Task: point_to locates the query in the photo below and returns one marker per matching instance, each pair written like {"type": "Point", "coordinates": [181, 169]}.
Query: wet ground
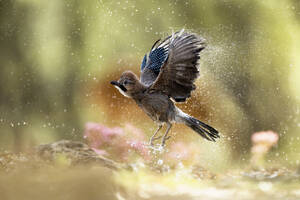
{"type": "Point", "coordinates": [30, 176]}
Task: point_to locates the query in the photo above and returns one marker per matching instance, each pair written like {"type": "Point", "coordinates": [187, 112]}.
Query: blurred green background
{"type": "Point", "coordinates": [57, 58]}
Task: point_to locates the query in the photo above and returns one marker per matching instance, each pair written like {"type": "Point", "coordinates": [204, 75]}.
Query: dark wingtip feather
{"type": "Point", "coordinates": [157, 41]}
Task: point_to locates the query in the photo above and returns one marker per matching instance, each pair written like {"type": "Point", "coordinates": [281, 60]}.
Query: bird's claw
{"type": "Point", "coordinates": [153, 139]}
{"type": "Point", "coordinates": [163, 142]}
{"type": "Point", "coordinates": [156, 138]}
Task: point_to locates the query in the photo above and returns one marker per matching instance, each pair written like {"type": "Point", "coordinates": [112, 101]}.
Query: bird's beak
{"type": "Point", "coordinates": [116, 83]}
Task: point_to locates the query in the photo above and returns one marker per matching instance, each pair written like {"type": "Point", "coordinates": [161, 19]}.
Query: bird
{"type": "Point", "coordinates": [168, 73]}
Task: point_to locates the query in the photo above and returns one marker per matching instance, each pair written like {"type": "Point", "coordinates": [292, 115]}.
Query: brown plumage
{"type": "Point", "coordinates": [168, 72]}
{"type": "Point", "coordinates": [177, 75]}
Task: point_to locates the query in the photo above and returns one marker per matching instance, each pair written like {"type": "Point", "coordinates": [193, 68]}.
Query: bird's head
{"type": "Point", "coordinates": [127, 84]}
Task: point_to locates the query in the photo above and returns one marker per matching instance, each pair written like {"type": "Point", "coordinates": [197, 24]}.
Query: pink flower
{"type": "Point", "coordinates": [98, 134]}
{"type": "Point", "coordinates": [139, 147]}
{"type": "Point", "coordinates": [119, 142]}
{"type": "Point", "coordinates": [269, 138]}
{"type": "Point", "coordinates": [262, 143]}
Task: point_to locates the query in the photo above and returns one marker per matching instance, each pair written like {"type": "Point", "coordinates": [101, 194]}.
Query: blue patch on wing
{"type": "Point", "coordinates": [156, 59]}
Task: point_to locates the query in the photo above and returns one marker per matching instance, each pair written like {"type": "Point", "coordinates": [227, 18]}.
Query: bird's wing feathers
{"type": "Point", "coordinates": [144, 62]}
{"type": "Point", "coordinates": [179, 71]}
{"type": "Point", "coordinates": [152, 63]}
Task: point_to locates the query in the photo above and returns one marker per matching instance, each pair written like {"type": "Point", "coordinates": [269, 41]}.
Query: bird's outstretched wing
{"type": "Point", "coordinates": [179, 71]}
{"type": "Point", "coordinates": [153, 62]}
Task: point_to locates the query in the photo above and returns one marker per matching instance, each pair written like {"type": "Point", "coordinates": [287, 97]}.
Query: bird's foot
{"type": "Point", "coordinates": [153, 139]}
{"type": "Point", "coordinates": [163, 141]}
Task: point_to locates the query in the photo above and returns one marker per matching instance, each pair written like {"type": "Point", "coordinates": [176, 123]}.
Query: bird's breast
{"type": "Point", "coordinates": [157, 106]}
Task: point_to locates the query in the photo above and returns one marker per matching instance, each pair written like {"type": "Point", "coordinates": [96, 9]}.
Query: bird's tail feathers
{"type": "Point", "coordinates": [201, 128]}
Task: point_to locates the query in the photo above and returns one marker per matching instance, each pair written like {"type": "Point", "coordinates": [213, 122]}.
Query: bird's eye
{"type": "Point", "coordinates": [125, 82]}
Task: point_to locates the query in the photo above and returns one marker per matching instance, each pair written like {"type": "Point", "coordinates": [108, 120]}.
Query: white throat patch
{"type": "Point", "coordinates": [122, 92]}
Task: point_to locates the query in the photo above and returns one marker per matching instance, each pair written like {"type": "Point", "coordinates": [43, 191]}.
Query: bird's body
{"type": "Point", "coordinates": [168, 72]}
{"type": "Point", "coordinates": [157, 106]}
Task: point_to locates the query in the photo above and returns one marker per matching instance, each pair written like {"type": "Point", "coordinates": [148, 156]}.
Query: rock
{"type": "Point", "coordinates": [76, 152]}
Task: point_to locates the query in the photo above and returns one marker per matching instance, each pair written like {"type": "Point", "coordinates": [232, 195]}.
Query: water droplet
{"type": "Point", "coordinates": [265, 186]}
{"type": "Point", "coordinates": [160, 162]}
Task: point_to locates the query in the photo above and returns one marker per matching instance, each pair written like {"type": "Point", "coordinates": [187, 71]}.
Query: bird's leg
{"type": "Point", "coordinates": [153, 136]}
{"type": "Point", "coordinates": [163, 141]}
